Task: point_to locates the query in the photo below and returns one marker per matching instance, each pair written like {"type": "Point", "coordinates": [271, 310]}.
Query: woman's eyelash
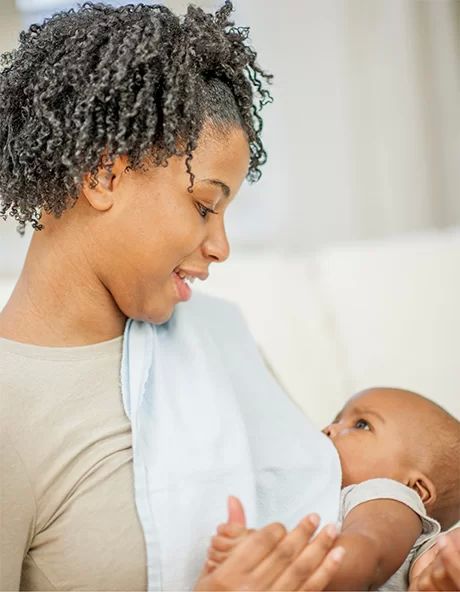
{"type": "Point", "coordinates": [204, 210]}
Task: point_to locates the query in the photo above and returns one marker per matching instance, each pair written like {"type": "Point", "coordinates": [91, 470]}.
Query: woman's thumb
{"type": "Point", "coordinates": [235, 511]}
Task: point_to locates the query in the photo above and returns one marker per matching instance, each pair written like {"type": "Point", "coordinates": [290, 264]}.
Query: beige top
{"type": "Point", "coordinates": [67, 508]}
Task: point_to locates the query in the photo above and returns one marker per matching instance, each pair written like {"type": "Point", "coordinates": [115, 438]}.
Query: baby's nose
{"type": "Point", "coordinates": [329, 430]}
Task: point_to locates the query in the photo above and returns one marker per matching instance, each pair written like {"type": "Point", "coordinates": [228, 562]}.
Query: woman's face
{"type": "Point", "coordinates": [156, 231]}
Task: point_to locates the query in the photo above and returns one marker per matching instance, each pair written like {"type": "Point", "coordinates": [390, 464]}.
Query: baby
{"type": "Point", "coordinates": [400, 458]}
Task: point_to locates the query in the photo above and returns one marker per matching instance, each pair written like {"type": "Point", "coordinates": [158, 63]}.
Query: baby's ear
{"type": "Point", "coordinates": [425, 488]}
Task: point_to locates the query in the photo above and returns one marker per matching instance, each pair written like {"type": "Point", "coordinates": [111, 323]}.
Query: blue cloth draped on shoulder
{"type": "Point", "coordinates": [209, 420]}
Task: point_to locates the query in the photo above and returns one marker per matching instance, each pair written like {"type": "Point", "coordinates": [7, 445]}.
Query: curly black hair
{"type": "Point", "coordinates": [88, 84]}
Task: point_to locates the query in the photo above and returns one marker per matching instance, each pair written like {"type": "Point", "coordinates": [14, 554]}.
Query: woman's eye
{"type": "Point", "coordinates": [203, 210]}
{"type": "Point", "coordinates": [362, 424]}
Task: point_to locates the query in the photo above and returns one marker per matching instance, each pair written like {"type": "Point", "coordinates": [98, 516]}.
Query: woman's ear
{"type": "Point", "coordinates": [101, 197]}
{"type": "Point", "coordinates": [425, 488]}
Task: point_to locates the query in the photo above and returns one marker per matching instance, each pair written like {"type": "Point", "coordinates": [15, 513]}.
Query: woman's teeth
{"type": "Point", "coordinates": [188, 278]}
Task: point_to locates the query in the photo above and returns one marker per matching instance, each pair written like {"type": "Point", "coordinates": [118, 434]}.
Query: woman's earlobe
{"type": "Point", "coordinates": [101, 196]}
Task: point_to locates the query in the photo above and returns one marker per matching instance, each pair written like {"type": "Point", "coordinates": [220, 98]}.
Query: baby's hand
{"type": "Point", "coordinates": [227, 538]}
{"type": "Point", "coordinates": [230, 535]}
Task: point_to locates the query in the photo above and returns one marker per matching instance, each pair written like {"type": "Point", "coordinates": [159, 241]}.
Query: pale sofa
{"type": "Point", "coordinates": [346, 318]}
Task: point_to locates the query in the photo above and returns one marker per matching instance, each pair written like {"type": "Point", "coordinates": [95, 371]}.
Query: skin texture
{"type": "Point", "coordinates": [271, 558]}
{"type": "Point", "coordinates": [114, 253]}
{"type": "Point", "coordinates": [439, 567]}
{"type": "Point", "coordinates": [372, 438]}
{"type": "Point", "coordinates": [403, 436]}
{"type": "Point", "coordinates": [91, 99]}
{"type": "Point", "coordinates": [372, 427]}
{"type": "Point", "coordinates": [384, 543]}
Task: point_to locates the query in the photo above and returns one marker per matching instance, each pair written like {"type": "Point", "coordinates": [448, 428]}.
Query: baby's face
{"type": "Point", "coordinates": [371, 436]}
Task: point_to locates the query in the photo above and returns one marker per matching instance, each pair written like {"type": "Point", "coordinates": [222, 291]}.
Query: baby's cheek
{"type": "Point", "coordinates": [348, 465]}
{"type": "Point", "coordinates": [355, 467]}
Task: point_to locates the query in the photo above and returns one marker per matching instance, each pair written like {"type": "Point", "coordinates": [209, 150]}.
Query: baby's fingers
{"type": "Point", "coordinates": [217, 556]}
{"type": "Point", "coordinates": [223, 544]}
{"type": "Point", "coordinates": [232, 530]}
{"type": "Point", "coordinates": [210, 566]}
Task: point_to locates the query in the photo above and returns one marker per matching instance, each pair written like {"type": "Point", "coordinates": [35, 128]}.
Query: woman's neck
{"type": "Point", "coordinates": [58, 300]}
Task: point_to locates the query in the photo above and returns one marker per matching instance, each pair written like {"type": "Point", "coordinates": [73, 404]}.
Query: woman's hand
{"type": "Point", "coordinates": [273, 559]}
{"type": "Point", "coordinates": [443, 573]}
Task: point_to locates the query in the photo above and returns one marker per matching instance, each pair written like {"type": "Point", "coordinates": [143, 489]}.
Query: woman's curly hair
{"type": "Point", "coordinates": [137, 80]}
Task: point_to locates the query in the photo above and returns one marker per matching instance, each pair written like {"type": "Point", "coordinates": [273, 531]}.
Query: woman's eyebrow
{"type": "Point", "coordinates": [225, 188]}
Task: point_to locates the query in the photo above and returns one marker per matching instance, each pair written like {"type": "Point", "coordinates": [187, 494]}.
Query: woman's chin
{"type": "Point", "coordinates": [156, 316]}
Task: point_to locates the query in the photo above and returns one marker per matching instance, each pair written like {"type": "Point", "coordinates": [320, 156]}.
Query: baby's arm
{"type": "Point", "coordinates": [377, 536]}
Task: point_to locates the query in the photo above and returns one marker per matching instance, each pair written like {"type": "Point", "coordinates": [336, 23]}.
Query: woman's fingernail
{"type": "Point", "coordinates": [337, 553]}
{"type": "Point", "coordinates": [338, 526]}
{"type": "Point", "coordinates": [314, 519]}
{"type": "Point", "coordinates": [331, 531]}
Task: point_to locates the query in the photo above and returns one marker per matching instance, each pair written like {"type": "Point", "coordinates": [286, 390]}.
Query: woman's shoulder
{"type": "Point", "coordinates": [35, 380]}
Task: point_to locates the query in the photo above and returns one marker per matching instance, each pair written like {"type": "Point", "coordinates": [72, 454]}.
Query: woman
{"type": "Point", "coordinates": [126, 133]}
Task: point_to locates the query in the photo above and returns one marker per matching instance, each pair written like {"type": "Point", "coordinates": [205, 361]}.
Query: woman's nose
{"type": "Point", "coordinates": [216, 245]}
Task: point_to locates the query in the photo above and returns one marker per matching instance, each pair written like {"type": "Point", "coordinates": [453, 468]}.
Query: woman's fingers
{"type": "Point", "coordinates": [269, 555]}
{"type": "Point", "coordinates": [444, 572]}
{"type": "Point", "coordinates": [303, 566]}
{"type": "Point", "coordinates": [236, 572]}
{"type": "Point", "coordinates": [252, 550]}
{"type": "Point", "coordinates": [326, 570]}
{"type": "Point", "coordinates": [450, 557]}
{"type": "Point", "coordinates": [286, 551]}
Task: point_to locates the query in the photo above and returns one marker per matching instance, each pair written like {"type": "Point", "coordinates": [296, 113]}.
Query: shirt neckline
{"type": "Point", "coordinates": [78, 352]}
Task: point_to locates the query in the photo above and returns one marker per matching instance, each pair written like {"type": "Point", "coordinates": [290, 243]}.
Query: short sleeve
{"type": "Point", "coordinates": [374, 489]}
{"type": "Point", "coordinates": [428, 543]}
{"type": "Point", "coordinates": [17, 514]}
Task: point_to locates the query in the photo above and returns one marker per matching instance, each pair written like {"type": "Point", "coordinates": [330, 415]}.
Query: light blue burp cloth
{"type": "Point", "coordinates": [208, 421]}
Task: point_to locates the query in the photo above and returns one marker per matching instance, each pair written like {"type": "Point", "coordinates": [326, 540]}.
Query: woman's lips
{"type": "Point", "coordinates": [184, 291]}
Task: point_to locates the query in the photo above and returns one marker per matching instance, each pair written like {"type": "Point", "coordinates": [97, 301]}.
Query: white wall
{"type": "Point", "coordinates": [364, 134]}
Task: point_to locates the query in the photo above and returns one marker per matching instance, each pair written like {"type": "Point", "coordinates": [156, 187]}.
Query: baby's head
{"type": "Point", "coordinates": [386, 432]}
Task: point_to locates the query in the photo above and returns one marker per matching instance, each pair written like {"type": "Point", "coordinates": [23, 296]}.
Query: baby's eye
{"type": "Point", "coordinates": [362, 424]}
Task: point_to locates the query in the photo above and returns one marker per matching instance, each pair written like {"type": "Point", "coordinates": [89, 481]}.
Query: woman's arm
{"type": "Point", "coordinates": [17, 514]}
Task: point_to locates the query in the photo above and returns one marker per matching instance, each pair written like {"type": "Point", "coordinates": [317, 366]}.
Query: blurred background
{"type": "Point", "coordinates": [364, 134]}
{"type": "Point", "coordinates": [346, 254]}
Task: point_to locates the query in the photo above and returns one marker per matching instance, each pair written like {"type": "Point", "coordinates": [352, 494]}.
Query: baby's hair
{"type": "Point", "coordinates": [444, 440]}
{"type": "Point", "coordinates": [435, 448]}
{"type": "Point", "coordinates": [102, 81]}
